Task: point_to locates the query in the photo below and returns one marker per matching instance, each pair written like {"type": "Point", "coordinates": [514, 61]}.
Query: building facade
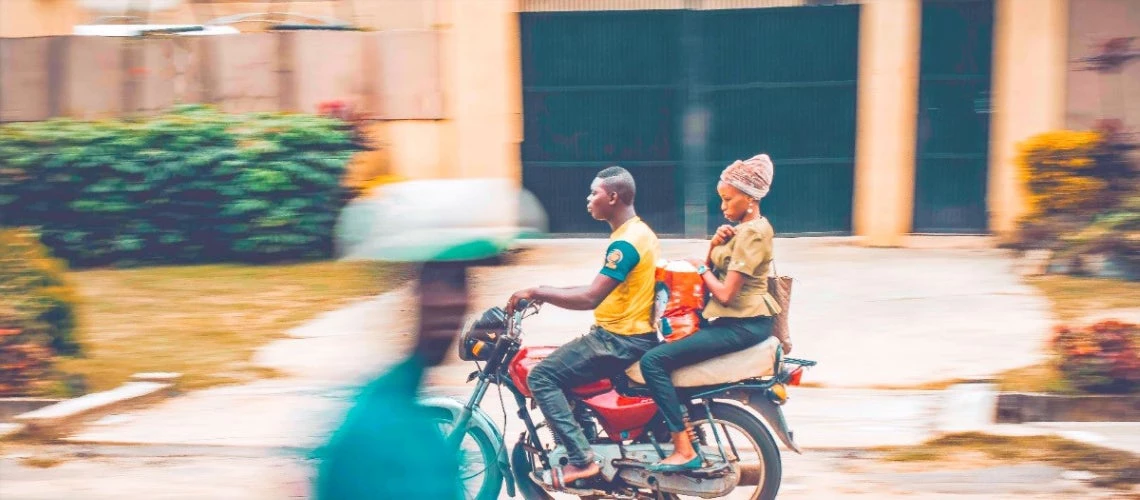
{"type": "Point", "coordinates": [884, 118]}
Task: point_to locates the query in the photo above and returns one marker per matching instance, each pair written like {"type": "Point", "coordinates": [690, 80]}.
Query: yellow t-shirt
{"type": "Point", "coordinates": [750, 253]}
{"type": "Point", "coordinates": [631, 259]}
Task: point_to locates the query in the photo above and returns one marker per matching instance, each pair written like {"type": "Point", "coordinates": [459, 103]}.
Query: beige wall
{"type": "Point", "coordinates": [1092, 95]}
{"type": "Point", "coordinates": [25, 18]}
{"type": "Point", "coordinates": [1030, 49]}
{"type": "Point", "coordinates": [885, 136]}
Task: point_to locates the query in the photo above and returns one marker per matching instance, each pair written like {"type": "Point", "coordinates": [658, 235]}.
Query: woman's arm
{"type": "Point", "coordinates": [724, 292]}
{"type": "Point", "coordinates": [749, 251]}
{"type": "Point", "coordinates": [728, 290]}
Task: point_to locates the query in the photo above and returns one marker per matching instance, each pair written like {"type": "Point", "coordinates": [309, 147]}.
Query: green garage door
{"type": "Point", "coordinates": [953, 116]}
{"type": "Point", "coordinates": [782, 81]}
{"type": "Point", "coordinates": [623, 87]}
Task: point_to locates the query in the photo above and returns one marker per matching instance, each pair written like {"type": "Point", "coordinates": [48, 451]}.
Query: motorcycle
{"type": "Point", "coordinates": [622, 423]}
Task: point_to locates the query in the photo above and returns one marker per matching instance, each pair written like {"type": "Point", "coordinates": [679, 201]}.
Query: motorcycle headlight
{"type": "Point", "coordinates": [480, 336]}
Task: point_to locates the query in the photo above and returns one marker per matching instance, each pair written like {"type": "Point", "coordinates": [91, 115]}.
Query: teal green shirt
{"type": "Point", "coordinates": [388, 447]}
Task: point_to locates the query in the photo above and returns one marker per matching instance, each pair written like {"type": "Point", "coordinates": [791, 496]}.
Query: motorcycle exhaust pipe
{"type": "Point", "coordinates": [749, 474]}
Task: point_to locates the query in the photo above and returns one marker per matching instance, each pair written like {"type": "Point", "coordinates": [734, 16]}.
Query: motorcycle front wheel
{"type": "Point", "coordinates": [479, 473]}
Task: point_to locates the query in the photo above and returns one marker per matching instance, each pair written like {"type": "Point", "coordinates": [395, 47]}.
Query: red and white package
{"type": "Point", "coordinates": [679, 299]}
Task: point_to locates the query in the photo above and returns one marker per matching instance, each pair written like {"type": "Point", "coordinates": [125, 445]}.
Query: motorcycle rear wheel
{"type": "Point", "coordinates": [769, 469]}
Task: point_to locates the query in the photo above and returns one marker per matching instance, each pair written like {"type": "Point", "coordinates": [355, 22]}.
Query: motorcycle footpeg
{"type": "Point", "coordinates": [713, 470]}
{"type": "Point", "coordinates": [629, 463]}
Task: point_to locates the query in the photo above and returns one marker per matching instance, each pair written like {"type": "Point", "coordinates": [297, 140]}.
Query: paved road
{"type": "Point", "coordinates": [235, 473]}
{"type": "Point", "coordinates": [871, 317]}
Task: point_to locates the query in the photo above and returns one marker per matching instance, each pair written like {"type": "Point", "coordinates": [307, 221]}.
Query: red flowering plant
{"type": "Point", "coordinates": [1103, 357]}
{"type": "Point", "coordinates": [24, 360]}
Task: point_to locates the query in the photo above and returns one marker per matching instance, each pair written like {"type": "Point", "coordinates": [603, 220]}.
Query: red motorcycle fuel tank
{"type": "Point", "coordinates": [529, 357]}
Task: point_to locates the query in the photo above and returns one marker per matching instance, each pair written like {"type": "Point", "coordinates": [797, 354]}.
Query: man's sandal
{"type": "Point", "coordinates": [558, 480]}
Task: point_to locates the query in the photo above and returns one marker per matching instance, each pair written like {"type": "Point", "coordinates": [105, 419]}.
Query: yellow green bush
{"type": "Point", "coordinates": [37, 313]}
{"type": "Point", "coordinates": [35, 293]}
{"type": "Point", "coordinates": [1060, 170]}
{"type": "Point", "coordinates": [1082, 194]}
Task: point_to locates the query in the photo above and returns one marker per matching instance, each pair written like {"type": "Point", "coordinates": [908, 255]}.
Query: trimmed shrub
{"type": "Point", "coordinates": [191, 185]}
{"type": "Point", "coordinates": [1103, 357]}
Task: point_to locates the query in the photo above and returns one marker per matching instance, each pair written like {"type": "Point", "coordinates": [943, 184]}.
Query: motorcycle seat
{"type": "Point", "coordinates": [754, 362]}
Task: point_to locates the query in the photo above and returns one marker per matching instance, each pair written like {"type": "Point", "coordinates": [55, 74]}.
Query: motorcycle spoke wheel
{"type": "Point", "coordinates": [479, 474]}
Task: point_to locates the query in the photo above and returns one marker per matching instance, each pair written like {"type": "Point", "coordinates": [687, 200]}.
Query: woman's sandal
{"type": "Point", "coordinates": [693, 464]}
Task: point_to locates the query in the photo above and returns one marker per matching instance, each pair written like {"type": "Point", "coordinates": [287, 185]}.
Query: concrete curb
{"type": "Point", "coordinates": [9, 429]}
{"type": "Point", "coordinates": [1017, 407]}
{"type": "Point", "coordinates": [10, 407]}
{"type": "Point", "coordinates": [54, 421]}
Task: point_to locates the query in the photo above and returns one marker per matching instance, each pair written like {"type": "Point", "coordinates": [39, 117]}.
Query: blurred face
{"type": "Point", "coordinates": [733, 203]}
{"type": "Point", "coordinates": [443, 300]}
{"type": "Point", "coordinates": [600, 202]}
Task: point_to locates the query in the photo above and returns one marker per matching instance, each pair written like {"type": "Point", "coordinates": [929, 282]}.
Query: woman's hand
{"type": "Point", "coordinates": [695, 261]}
{"type": "Point", "coordinates": [723, 234]}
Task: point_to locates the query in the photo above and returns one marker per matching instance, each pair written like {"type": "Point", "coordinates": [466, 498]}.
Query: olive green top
{"type": "Point", "coordinates": [749, 252]}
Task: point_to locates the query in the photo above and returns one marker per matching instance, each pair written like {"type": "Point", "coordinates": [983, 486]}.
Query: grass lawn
{"type": "Point", "coordinates": [1074, 298]}
{"type": "Point", "coordinates": [1113, 468]}
{"type": "Point", "coordinates": [205, 321]}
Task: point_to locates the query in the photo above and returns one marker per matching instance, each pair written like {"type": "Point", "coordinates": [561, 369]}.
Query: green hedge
{"type": "Point", "coordinates": [191, 185]}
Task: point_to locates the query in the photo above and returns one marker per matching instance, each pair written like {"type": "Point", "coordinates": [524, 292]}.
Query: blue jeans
{"type": "Point", "coordinates": [589, 358]}
{"type": "Point", "coordinates": [718, 338]}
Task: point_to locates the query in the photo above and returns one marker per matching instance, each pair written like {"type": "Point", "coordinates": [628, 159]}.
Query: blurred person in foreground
{"type": "Point", "coordinates": [388, 446]}
{"type": "Point", "coordinates": [739, 311]}
{"type": "Point", "coordinates": [621, 296]}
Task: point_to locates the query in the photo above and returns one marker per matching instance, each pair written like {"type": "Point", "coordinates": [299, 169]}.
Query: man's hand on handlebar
{"type": "Point", "coordinates": [520, 300]}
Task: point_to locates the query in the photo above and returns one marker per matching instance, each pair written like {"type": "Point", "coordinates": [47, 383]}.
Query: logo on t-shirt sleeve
{"type": "Point", "coordinates": [613, 258]}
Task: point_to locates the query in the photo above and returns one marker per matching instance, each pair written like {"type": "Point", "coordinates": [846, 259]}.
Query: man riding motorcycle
{"type": "Point", "coordinates": [621, 296]}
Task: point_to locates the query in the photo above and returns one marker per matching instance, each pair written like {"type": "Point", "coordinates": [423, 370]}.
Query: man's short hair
{"type": "Point", "coordinates": [619, 180]}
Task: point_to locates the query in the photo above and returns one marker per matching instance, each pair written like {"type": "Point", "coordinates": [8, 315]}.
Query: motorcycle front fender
{"type": "Point", "coordinates": [482, 421]}
{"type": "Point", "coordinates": [757, 399]}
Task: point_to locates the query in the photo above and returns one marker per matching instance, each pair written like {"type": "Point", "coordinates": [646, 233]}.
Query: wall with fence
{"type": "Point", "coordinates": [385, 75]}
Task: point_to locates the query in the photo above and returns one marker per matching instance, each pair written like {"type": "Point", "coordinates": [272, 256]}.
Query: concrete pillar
{"type": "Point", "coordinates": [1030, 53]}
{"type": "Point", "coordinates": [889, 48]}
{"type": "Point", "coordinates": [482, 80]}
